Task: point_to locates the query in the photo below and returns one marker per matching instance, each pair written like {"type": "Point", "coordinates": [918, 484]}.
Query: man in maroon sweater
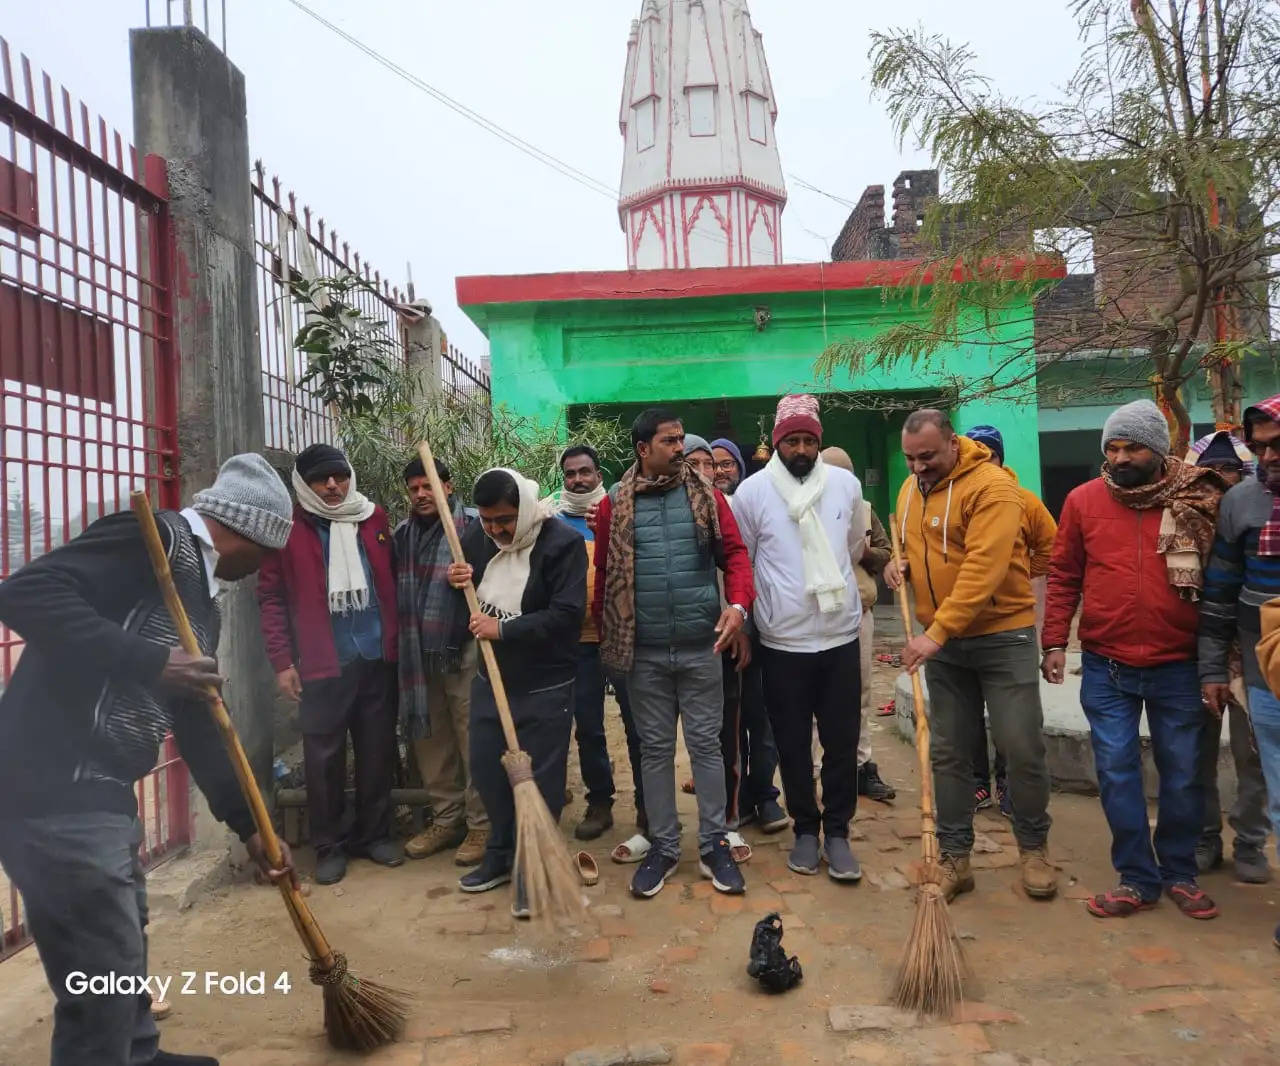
{"type": "Point", "coordinates": [328, 605]}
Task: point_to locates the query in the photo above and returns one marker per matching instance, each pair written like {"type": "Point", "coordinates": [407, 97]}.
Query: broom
{"type": "Point", "coordinates": [931, 974]}
{"type": "Point", "coordinates": [358, 1015]}
{"type": "Point", "coordinates": [543, 864]}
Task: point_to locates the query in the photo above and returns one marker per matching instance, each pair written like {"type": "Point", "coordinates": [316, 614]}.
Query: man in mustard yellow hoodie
{"type": "Point", "coordinates": [961, 519]}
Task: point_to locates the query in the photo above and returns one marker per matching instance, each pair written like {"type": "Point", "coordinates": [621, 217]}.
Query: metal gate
{"type": "Point", "coordinates": [88, 407]}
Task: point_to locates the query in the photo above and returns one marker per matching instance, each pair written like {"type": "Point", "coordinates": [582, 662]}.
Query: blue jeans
{"type": "Point", "coordinates": [1264, 712]}
{"type": "Point", "coordinates": [588, 723]}
{"type": "Point", "coordinates": [1113, 696]}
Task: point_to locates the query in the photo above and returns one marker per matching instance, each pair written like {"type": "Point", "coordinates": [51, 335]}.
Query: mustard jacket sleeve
{"type": "Point", "coordinates": [991, 532]}
{"type": "Point", "coordinates": [1269, 646]}
{"type": "Point", "coordinates": [1041, 531]}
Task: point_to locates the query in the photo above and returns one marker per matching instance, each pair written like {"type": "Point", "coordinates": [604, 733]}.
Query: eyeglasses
{"type": "Point", "coordinates": [726, 467]}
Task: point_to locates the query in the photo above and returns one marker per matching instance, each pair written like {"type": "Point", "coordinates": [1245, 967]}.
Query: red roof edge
{"type": "Point", "coordinates": [479, 290]}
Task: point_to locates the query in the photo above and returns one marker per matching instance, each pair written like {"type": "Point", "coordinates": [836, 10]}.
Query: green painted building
{"type": "Point", "coordinates": [721, 345]}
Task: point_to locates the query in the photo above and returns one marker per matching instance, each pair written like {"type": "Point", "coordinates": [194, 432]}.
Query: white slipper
{"type": "Point", "coordinates": [633, 849]}
{"type": "Point", "coordinates": [739, 848]}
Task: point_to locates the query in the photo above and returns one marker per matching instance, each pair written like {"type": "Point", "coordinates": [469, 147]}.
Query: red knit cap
{"type": "Point", "coordinates": [797, 414]}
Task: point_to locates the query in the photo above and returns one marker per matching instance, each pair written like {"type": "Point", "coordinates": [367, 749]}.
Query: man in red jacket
{"type": "Point", "coordinates": [328, 606]}
{"type": "Point", "coordinates": [1132, 545]}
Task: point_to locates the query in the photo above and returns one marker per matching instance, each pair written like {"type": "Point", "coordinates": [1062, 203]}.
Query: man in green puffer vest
{"type": "Point", "coordinates": [661, 534]}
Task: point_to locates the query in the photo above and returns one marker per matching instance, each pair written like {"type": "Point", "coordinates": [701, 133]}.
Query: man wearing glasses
{"type": "Point", "coordinates": [1243, 574]}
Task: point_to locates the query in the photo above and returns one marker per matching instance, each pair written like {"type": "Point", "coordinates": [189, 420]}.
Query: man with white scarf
{"type": "Point", "coordinates": [583, 490]}
{"type": "Point", "coordinates": [531, 581]}
{"type": "Point", "coordinates": [328, 611]}
{"type": "Point", "coordinates": [802, 523]}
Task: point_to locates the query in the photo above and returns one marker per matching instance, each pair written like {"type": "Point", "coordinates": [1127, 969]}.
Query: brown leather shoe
{"type": "Point", "coordinates": [1039, 875]}
{"type": "Point", "coordinates": [956, 875]}
{"type": "Point", "coordinates": [472, 849]}
{"type": "Point", "coordinates": [435, 839]}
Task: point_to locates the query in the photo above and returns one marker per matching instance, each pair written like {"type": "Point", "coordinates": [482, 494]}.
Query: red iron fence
{"type": "Point", "coordinates": [87, 366]}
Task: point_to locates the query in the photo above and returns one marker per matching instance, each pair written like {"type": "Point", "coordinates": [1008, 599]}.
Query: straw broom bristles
{"type": "Point", "coordinates": [932, 973]}
{"type": "Point", "coordinates": [543, 865]}
{"type": "Point", "coordinates": [358, 1015]}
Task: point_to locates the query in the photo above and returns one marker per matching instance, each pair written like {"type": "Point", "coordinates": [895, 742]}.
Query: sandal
{"type": "Point", "coordinates": [587, 868]}
{"type": "Point", "coordinates": [739, 849]}
{"type": "Point", "coordinates": [886, 709]}
{"type": "Point", "coordinates": [633, 849]}
{"type": "Point", "coordinates": [687, 788]}
{"type": "Point", "coordinates": [1192, 900]}
{"type": "Point", "coordinates": [1118, 903]}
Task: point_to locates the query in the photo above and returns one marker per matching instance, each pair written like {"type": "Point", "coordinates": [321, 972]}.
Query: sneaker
{"type": "Point", "coordinates": [841, 865]}
{"type": "Point", "coordinates": [773, 819]}
{"type": "Point", "coordinates": [956, 875]}
{"type": "Point", "coordinates": [486, 876]}
{"type": "Point", "coordinates": [435, 839]}
{"type": "Point", "coordinates": [1208, 853]}
{"type": "Point", "coordinates": [871, 785]}
{"type": "Point", "coordinates": [1004, 800]}
{"type": "Point", "coordinates": [380, 852]}
{"type": "Point", "coordinates": [718, 865]}
{"type": "Point", "coordinates": [652, 874]}
{"type": "Point", "coordinates": [981, 798]}
{"type": "Point", "coordinates": [1039, 875]}
{"type": "Point", "coordinates": [804, 855]}
{"type": "Point", "coordinates": [598, 818]}
{"type": "Point", "coordinates": [1251, 866]}
{"type": "Point", "coordinates": [471, 850]}
{"type": "Point", "coordinates": [520, 903]}
{"type": "Point", "coordinates": [331, 866]}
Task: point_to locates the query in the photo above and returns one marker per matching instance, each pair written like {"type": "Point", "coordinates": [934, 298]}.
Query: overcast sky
{"type": "Point", "coordinates": [406, 180]}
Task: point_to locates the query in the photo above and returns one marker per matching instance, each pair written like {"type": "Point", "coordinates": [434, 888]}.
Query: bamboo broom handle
{"type": "Point", "coordinates": [929, 828]}
{"type": "Point", "coordinates": [469, 590]}
{"type": "Point", "coordinates": [303, 919]}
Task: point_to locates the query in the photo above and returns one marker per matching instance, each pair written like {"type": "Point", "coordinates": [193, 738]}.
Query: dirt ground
{"type": "Point", "coordinates": [1053, 985]}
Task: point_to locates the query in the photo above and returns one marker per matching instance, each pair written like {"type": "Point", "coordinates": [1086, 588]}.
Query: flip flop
{"type": "Point", "coordinates": [739, 849]}
{"type": "Point", "coordinates": [687, 788]}
{"type": "Point", "coordinates": [587, 868]}
{"type": "Point", "coordinates": [886, 709]}
{"type": "Point", "coordinates": [633, 849]}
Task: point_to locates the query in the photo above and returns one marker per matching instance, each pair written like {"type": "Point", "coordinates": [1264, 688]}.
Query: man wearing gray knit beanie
{"type": "Point", "coordinates": [1130, 554]}
{"type": "Point", "coordinates": [102, 681]}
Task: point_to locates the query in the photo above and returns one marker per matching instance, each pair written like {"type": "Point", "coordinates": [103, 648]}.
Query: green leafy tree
{"type": "Point", "coordinates": [1165, 147]}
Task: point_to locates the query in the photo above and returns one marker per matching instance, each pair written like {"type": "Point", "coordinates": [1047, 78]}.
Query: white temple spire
{"type": "Point", "coordinates": [701, 177]}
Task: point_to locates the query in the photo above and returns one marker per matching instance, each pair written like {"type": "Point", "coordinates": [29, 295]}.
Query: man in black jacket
{"type": "Point", "coordinates": [100, 683]}
{"type": "Point", "coordinates": [531, 580]}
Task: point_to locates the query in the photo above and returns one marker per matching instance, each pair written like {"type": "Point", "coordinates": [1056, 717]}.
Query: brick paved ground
{"type": "Point", "coordinates": [667, 977]}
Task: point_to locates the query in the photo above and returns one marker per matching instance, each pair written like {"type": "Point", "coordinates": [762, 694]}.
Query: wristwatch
{"type": "Point", "coordinates": [740, 609]}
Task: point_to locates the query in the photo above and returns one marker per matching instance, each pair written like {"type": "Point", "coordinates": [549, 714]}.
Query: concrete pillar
{"type": "Point", "coordinates": [189, 108]}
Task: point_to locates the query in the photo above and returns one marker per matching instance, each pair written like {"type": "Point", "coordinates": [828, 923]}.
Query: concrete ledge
{"type": "Point", "coordinates": [180, 882]}
{"type": "Point", "coordinates": [1066, 732]}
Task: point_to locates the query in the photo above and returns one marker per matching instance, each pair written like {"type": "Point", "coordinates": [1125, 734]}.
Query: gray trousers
{"type": "Point", "coordinates": [86, 901]}
{"type": "Point", "coordinates": [1002, 671]}
{"type": "Point", "coordinates": [687, 682]}
{"type": "Point", "coordinates": [1248, 817]}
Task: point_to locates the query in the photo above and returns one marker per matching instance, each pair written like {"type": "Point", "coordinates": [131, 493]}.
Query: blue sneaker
{"type": "Point", "coordinates": [488, 875]}
{"type": "Point", "coordinates": [718, 865]}
{"type": "Point", "coordinates": [1005, 800]}
{"type": "Point", "coordinates": [652, 875]}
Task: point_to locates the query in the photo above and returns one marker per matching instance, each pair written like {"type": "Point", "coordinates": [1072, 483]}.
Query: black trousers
{"type": "Point", "coordinates": [731, 741]}
{"type": "Point", "coordinates": [799, 688]}
{"type": "Point", "coordinates": [619, 683]}
{"type": "Point", "coordinates": [757, 753]}
{"type": "Point", "coordinates": [360, 702]}
{"type": "Point", "coordinates": [544, 722]}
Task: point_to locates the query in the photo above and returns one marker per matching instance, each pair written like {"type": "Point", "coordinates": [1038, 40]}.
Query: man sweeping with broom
{"type": "Point", "coordinates": [531, 580]}
{"type": "Point", "coordinates": [100, 682]}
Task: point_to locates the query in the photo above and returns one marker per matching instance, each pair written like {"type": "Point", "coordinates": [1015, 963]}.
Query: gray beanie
{"type": "Point", "coordinates": [249, 498]}
{"type": "Point", "coordinates": [1140, 422]}
{"type": "Point", "coordinates": [694, 443]}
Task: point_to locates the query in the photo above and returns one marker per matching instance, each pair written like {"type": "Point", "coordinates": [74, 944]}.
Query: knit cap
{"type": "Point", "coordinates": [990, 436]}
{"type": "Point", "coordinates": [1140, 422]}
{"type": "Point", "coordinates": [732, 449]}
{"type": "Point", "coordinates": [694, 443]}
{"type": "Point", "coordinates": [249, 498]}
{"type": "Point", "coordinates": [797, 414]}
{"type": "Point", "coordinates": [321, 462]}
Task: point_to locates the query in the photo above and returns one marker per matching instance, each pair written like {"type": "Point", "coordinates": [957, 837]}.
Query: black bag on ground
{"type": "Point", "coordinates": [768, 963]}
